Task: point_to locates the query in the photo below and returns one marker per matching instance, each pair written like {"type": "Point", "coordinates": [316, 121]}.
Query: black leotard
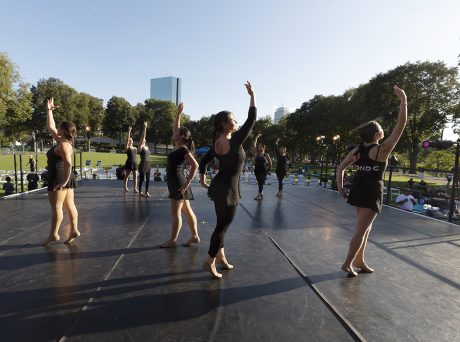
{"type": "Point", "coordinates": [366, 190]}
{"type": "Point", "coordinates": [56, 173]}
{"type": "Point", "coordinates": [175, 174]}
{"type": "Point", "coordinates": [144, 165]}
{"type": "Point", "coordinates": [282, 163]}
{"type": "Point", "coordinates": [225, 186]}
{"type": "Point", "coordinates": [130, 164]}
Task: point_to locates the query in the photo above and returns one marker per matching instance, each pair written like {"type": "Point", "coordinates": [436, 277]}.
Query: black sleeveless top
{"type": "Point", "coordinates": [366, 190]}
{"type": "Point", "coordinates": [260, 164]}
{"type": "Point", "coordinates": [367, 167]}
{"type": "Point", "coordinates": [131, 153]}
{"type": "Point", "coordinates": [144, 165]}
{"type": "Point", "coordinates": [56, 172]}
{"type": "Point", "coordinates": [225, 186]}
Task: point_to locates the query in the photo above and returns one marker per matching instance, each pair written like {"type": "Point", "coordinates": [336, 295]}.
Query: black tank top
{"type": "Point", "coordinates": [145, 160]}
{"type": "Point", "coordinates": [366, 167]}
{"type": "Point", "coordinates": [260, 164]}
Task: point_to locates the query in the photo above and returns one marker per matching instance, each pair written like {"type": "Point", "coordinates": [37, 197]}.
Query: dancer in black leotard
{"type": "Point", "coordinates": [61, 179]}
{"type": "Point", "coordinates": [180, 192]}
{"type": "Point", "coordinates": [262, 164]}
{"type": "Point", "coordinates": [225, 186]}
{"type": "Point", "coordinates": [130, 164]}
{"type": "Point", "coordinates": [282, 166]}
{"type": "Point", "coordinates": [144, 165]}
{"type": "Point", "coordinates": [366, 191]}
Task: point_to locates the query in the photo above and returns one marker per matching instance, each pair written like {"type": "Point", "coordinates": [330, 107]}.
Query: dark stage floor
{"type": "Point", "coordinates": [115, 283]}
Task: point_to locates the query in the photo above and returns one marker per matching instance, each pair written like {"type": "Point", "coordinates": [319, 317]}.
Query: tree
{"type": "Point", "coordinates": [119, 115]}
{"type": "Point", "coordinates": [433, 95]}
{"type": "Point", "coordinates": [15, 100]}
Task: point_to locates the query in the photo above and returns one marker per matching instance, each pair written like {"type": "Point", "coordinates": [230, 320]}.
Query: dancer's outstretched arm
{"type": "Point", "coordinates": [129, 136]}
{"type": "Point", "coordinates": [242, 134]}
{"type": "Point", "coordinates": [144, 134]}
{"type": "Point", "coordinates": [254, 145]}
{"type": "Point", "coordinates": [50, 124]}
{"type": "Point", "coordinates": [389, 144]}
{"type": "Point", "coordinates": [180, 108]}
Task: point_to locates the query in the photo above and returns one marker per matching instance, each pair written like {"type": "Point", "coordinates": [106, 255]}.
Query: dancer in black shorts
{"type": "Point", "coordinates": [180, 192]}
{"type": "Point", "coordinates": [282, 166]}
{"type": "Point", "coordinates": [130, 164]}
{"type": "Point", "coordinates": [366, 191]}
{"type": "Point", "coordinates": [225, 186]}
{"type": "Point", "coordinates": [144, 165]}
{"type": "Point", "coordinates": [61, 179]}
{"type": "Point", "coordinates": [262, 164]}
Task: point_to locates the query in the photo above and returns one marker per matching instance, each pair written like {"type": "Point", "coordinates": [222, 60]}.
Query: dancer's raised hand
{"type": "Point", "coordinates": [401, 94]}
{"type": "Point", "coordinates": [249, 88]}
{"type": "Point", "coordinates": [50, 104]}
{"type": "Point", "coordinates": [180, 108]}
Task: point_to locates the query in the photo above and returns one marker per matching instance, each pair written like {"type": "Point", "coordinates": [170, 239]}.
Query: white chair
{"type": "Point", "coordinates": [301, 180]}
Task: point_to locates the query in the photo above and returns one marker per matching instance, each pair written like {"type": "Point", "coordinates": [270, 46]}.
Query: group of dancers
{"type": "Point", "coordinates": [366, 191]}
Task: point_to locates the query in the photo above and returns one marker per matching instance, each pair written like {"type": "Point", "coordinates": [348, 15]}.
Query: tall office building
{"type": "Point", "coordinates": [166, 88]}
{"type": "Point", "coordinates": [280, 112]}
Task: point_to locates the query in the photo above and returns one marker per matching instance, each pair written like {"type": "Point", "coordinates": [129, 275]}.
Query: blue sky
{"type": "Point", "coordinates": [290, 50]}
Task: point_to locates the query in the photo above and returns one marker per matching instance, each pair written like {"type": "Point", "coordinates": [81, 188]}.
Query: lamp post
{"type": "Point", "coordinates": [319, 141]}
{"type": "Point", "coordinates": [335, 141]}
{"type": "Point", "coordinates": [88, 136]}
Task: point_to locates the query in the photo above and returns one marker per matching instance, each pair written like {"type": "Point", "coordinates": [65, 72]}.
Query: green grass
{"type": "Point", "coordinates": [108, 160]}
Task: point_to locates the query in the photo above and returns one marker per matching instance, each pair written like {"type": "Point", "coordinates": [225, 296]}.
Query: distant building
{"type": "Point", "coordinates": [280, 112]}
{"type": "Point", "coordinates": [166, 88]}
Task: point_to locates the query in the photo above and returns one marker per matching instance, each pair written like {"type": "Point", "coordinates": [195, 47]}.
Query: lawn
{"type": "Point", "coordinates": [107, 159]}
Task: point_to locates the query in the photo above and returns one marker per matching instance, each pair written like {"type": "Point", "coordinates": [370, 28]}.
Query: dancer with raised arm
{"type": "Point", "coordinates": [61, 179]}
{"type": "Point", "coordinates": [366, 192]}
{"type": "Point", "coordinates": [262, 164]}
{"type": "Point", "coordinates": [225, 186]}
{"type": "Point", "coordinates": [180, 192]}
{"type": "Point", "coordinates": [130, 164]}
{"type": "Point", "coordinates": [144, 165]}
{"type": "Point", "coordinates": [282, 166]}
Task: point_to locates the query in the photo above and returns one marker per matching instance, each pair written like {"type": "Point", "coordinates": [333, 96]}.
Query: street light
{"type": "Point", "coordinates": [335, 140]}
{"type": "Point", "coordinates": [88, 131]}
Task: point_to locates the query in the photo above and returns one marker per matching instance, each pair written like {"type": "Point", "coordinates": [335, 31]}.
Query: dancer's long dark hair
{"type": "Point", "coordinates": [367, 134]}
{"type": "Point", "coordinates": [68, 131]}
{"type": "Point", "coordinates": [186, 137]}
{"type": "Point", "coordinates": [219, 120]}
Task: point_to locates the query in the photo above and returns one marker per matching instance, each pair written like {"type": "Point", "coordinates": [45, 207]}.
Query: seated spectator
{"type": "Point", "coordinates": [410, 182]}
{"type": "Point", "coordinates": [44, 177]}
{"type": "Point", "coordinates": [406, 201]}
{"type": "Point", "coordinates": [157, 176]}
{"type": "Point", "coordinates": [120, 172]}
{"type": "Point", "coordinates": [32, 179]}
{"type": "Point", "coordinates": [8, 186]}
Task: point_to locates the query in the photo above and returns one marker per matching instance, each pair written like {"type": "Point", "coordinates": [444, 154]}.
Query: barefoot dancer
{"type": "Point", "coordinates": [179, 186]}
{"type": "Point", "coordinates": [225, 186]}
{"type": "Point", "coordinates": [130, 164]}
{"type": "Point", "coordinates": [61, 180]}
{"type": "Point", "coordinates": [262, 161]}
{"type": "Point", "coordinates": [144, 165]}
{"type": "Point", "coordinates": [366, 192]}
{"type": "Point", "coordinates": [282, 162]}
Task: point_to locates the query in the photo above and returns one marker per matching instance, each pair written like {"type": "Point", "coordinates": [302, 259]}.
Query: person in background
{"type": "Point", "coordinates": [405, 200]}
{"type": "Point", "coordinates": [31, 163]}
{"type": "Point", "coordinates": [8, 186]}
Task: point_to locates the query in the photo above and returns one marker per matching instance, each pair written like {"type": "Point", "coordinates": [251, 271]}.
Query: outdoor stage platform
{"type": "Point", "coordinates": [115, 283]}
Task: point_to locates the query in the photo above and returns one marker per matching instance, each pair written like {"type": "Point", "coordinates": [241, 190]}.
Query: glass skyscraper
{"type": "Point", "coordinates": [166, 88]}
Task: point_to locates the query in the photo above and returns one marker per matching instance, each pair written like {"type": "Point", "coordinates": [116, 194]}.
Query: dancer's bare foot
{"type": "Point", "coordinates": [50, 239]}
{"type": "Point", "coordinates": [136, 191]}
{"type": "Point", "coordinates": [168, 244]}
{"type": "Point", "coordinates": [141, 194]}
{"type": "Point", "coordinates": [126, 190]}
{"type": "Point", "coordinates": [72, 237]}
{"type": "Point", "coordinates": [224, 263]}
{"type": "Point", "coordinates": [348, 269]}
{"type": "Point", "coordinates": [147, 194]}
{"type": "Point", "coordinates": [364, 268]}
{"type": "Point", "coordinates": [189, 242]}
{"type": "Point", "coordinates": [211, 268]}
